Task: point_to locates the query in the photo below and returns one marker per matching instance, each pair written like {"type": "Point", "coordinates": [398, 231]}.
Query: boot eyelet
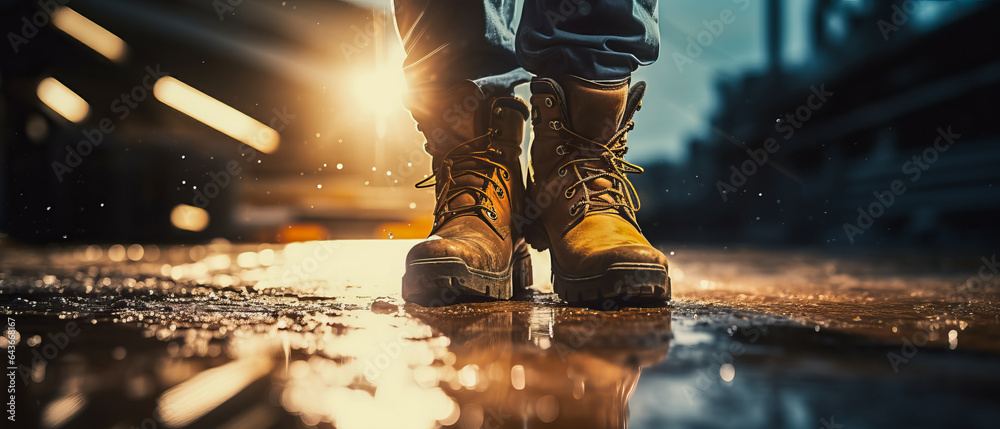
{"type": "Point", "coordinates": [555, 125]}
{"type": "Point", "coordinates": [569, 193]}
{"type": "Point", "coordinates": [575, 210]}
{"type": "Point", "coordinates": [561, 150]}
{"type": "Point", "coordinates": [505, 175]}
{"type": "Point", "coordinates": [498, 112]}
{"type": "Point", "coordinates": [491, 214]}
{"type": "Point", "coordinates": [496, 132]}
{"type": "Point", "coordinates": [499, 152]}
{"type": "Point", "coordinates": [500, 193]}
{"type": "Point", "coordinates": [562, 172]}
{"type": "Point", "coordinates": [548, 101]}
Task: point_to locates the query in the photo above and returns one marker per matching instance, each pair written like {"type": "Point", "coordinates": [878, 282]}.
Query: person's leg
{"type": "Point", "coordinates": [461, 69]}
{"type": "Point", "coordinates": [582, 105]}
{"type": "Point", "coordinates": [599, 40]}
{"type": "Point", "coordinates": [450, 41]}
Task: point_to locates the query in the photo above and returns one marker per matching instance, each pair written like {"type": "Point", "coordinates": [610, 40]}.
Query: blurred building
{"type": "Point", "coordinates": [277, 121]}
{"type": "Point", "coordinates": [845, 125]}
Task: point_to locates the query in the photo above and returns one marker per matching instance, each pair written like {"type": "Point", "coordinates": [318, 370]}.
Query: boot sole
{"type": "Point", "coordinates": [623, 284]}
{"type": "Point", "coordinates": [437, 282]}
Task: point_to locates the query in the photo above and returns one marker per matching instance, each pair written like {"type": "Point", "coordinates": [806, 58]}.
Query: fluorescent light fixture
{"type": "Point", "coordinates": [215, 114]}
{"type": "Point", "coordinates": [62, 100]}
{"type": "Point", "coordinates": [89, 33]}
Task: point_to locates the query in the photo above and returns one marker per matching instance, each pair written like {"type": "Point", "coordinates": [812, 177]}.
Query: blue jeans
{"type": "Point", "coordinates": [449, 41]}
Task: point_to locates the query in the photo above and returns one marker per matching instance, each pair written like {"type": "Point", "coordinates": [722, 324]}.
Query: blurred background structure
{"type": "Point", "coordinates": [184, 120]}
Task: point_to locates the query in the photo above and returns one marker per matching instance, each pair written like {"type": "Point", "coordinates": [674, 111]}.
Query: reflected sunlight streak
{"type": "Point", "coordinates": [192, 399]}
{"type": "Point", "coordinates": [62, 410]}
{"type": "Point", "coordinates": [62, 100]}
{"type": "Point", "coordinates": [215, 114]}
{"type": "Point", "coordinates": [89, 33]}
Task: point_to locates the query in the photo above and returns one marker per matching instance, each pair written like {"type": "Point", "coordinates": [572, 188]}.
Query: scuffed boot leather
{"type": "Point", "coordinates": [472, 252]}
{"type": "Point", "coordinates": [584, 205]}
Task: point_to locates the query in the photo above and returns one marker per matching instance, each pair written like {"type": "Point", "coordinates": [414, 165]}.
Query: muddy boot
{"type": "Point", "coordinates": [472, 252]}
{"type": "Point", "coordinates": [582, 206]}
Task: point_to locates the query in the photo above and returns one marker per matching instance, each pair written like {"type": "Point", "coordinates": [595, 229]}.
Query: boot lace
{"type": "Point", "coordinates": [590, 160]}
{"type": "Point", "coordinates": [466, 159]}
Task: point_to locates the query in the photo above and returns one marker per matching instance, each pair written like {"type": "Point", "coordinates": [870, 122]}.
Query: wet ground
{"type": "Point", "coordinates": [315, 335]}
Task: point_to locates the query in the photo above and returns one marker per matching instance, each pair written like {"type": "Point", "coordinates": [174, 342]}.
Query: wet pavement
{"type": "Point", "coordinates": [315, 335]}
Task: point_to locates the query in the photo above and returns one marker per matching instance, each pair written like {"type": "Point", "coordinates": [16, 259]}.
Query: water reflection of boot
{"type": "Point", "coordinates": [523, 365]}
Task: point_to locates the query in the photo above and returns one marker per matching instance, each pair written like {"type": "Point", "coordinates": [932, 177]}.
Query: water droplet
{"type": "Point", "coordinates": [727, 372]}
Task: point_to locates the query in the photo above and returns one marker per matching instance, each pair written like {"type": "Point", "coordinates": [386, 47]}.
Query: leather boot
{"type": "Point", "coordinates": [584, 206]}
{"type": "Point", "coordinates": [472, 252]}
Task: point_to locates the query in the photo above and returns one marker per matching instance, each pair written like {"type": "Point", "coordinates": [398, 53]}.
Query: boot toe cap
{"type": "Point", "coordinates": [633, 254]}
{"type": "Point", "coordinates": [472, 253]}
